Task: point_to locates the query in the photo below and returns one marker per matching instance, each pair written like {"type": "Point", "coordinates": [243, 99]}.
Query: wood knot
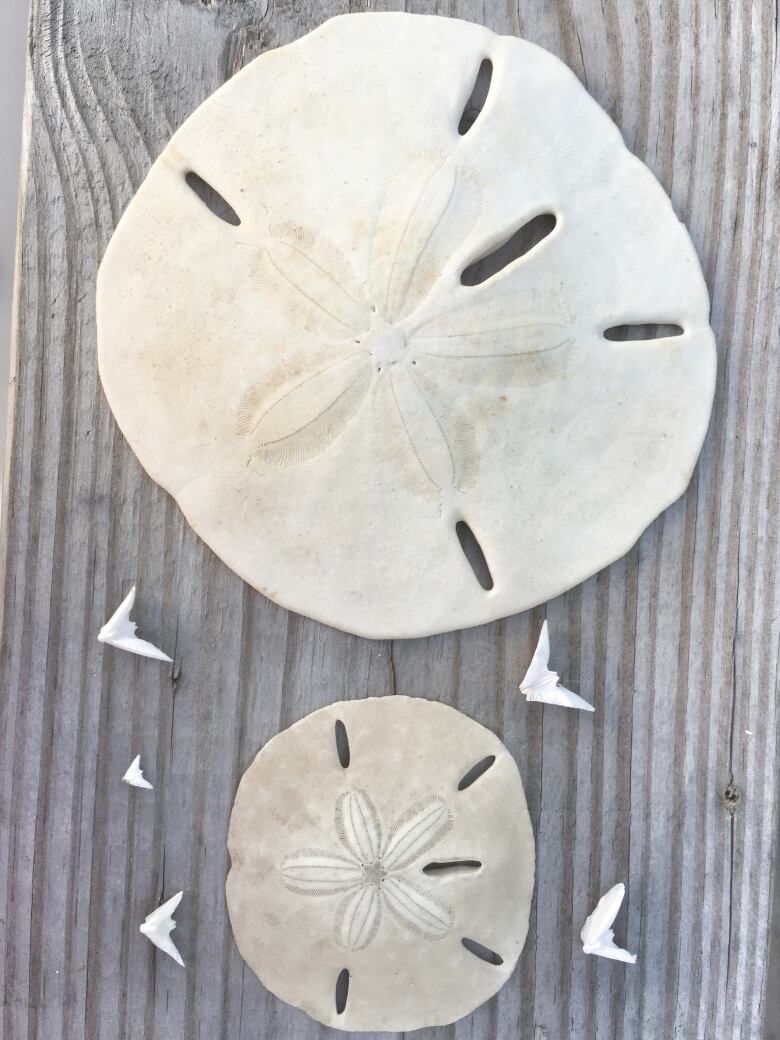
{"type": "Point", "coordinates": [731, 796]}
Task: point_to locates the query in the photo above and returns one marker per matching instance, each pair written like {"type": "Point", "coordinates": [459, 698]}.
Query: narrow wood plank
{"type": "Point", "coordinates": [677, 644]}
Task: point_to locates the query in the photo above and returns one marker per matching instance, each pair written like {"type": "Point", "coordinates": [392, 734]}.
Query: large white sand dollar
{"type": "Point", "coordinates": [382, 867]}
{"type": "Point", "coordinates": [324, 396]}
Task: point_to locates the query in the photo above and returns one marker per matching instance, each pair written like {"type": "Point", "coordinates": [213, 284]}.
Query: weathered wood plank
{"type": "Point", "coordinates": [678, 644]}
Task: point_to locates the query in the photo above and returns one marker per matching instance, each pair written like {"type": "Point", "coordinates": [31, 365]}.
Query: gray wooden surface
{"type": "Point", "coordinates": [13, 24]}
{"type": "Point", "coordinates": [677, 644]}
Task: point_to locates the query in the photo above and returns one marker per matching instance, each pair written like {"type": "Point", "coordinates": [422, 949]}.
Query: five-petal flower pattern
{"type": "Point", "coordinates": [396, 339]}
{"type": "Point", "coordinates": [369, 874]}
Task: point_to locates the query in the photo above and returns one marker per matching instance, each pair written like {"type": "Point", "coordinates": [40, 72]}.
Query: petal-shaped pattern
{"type": "Point", "coordinates": [301, 408]}
{"type": "Point", "coordinates": [419, 829]}
{"type": "Point", "coordinates": [313, 284]}
{"type": "Point", "coordinates": [496, 370]}
{"type": "Point", "coordinates": [430, 208]}
{"type": "Point", "coordinates": [317, 872]}
{"type": "Point", "coordinates": [358, 826]}
{"type": "Point", "coordinates": [520, 338]}
{"type": "Point", "coordinates": [358, 917]}
{"type": "Point", "coordinates": [416, 908]}
{"type": "Point", "coordinates": [503, 323]}
{"type": "Point", "coordinates": [429, 444]}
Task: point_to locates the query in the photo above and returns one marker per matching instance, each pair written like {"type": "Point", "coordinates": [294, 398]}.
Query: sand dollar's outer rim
{"type": "Point", "coordinates": [558, 463]}
{"type": "Point", "coordinates": [402, 748]}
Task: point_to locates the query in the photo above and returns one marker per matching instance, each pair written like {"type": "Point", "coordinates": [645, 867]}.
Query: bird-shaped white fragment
{"type": "Point", "coordinates": [158, 927]}
{"type": "Point", "coordinates": [540, 684]}
{"type": "Point", "coordinates": [597, 935]}
{"type": "Point", "coordinates": [135, 775]}
{"type": "Point", "coordinates": [119, 631]}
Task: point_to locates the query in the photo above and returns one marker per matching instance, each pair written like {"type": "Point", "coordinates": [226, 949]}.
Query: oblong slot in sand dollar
{"type": "Point", "coordinates": [475, 772]}
{"type": "Point", "coordinates": [522, 241]}
{"type": "Point", "coordinates": [342, 990]}
{"type": "Point", "coordinates": [647, 331]}
{"type": "Point", "coordinates": [342, 743]}
{"type": "Point", "coordinates": [483, 953]}
{"type": "Point", "coordinates": [477, 97]}
{"type": "Point", "coordinates": [212, 199]}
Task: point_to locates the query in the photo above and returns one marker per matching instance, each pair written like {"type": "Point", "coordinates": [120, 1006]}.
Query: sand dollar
{"type": "Point", "coordinates": [356, 319]}
{"type": "Point", "coordinates": [382, 864]}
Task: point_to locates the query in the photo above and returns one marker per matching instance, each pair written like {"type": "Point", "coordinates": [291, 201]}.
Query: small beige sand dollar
{"type": "Point", "coordinates": [382, 864]}
{"type": "Point", "coordinates": [317, 331]}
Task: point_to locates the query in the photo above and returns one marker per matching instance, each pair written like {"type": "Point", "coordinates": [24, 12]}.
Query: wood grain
{"type": "Point", "coordinates": [677, 644]}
